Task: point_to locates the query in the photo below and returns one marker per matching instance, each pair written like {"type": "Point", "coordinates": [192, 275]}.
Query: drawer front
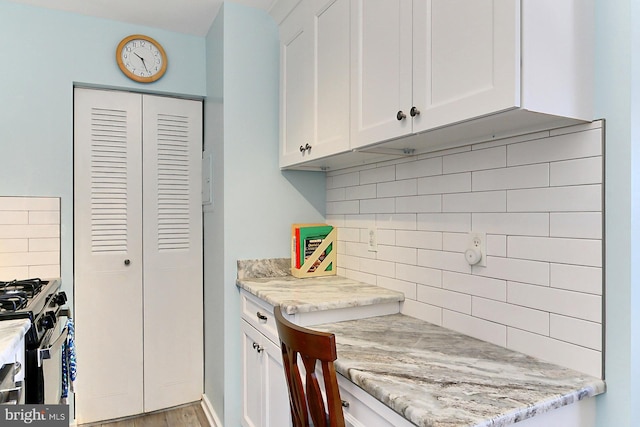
{"type": "Point", "coordinates": [259, 314]}
{"type": "Point", "coordinates": [364, 410]}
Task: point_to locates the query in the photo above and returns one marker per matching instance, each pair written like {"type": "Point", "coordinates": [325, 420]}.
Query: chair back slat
{"type": "Point", "coordinates": [316, 350]}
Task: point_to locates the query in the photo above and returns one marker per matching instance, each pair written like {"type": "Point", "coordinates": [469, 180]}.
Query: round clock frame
{"type": "Point", "coordinates": [141, 58]}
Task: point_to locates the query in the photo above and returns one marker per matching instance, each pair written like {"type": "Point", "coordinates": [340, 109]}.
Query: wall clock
{"type": "Point", "coordinates": [141, 58]}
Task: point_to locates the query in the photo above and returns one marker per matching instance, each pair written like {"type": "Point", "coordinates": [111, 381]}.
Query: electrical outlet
{"type": "Point", "coordinates": [478, 241]}
{"type": "Point", "coordinates": [372, 239]}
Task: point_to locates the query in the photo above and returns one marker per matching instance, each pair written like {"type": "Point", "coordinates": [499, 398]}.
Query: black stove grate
{"type": "Point", "coordinates": [30, 287]}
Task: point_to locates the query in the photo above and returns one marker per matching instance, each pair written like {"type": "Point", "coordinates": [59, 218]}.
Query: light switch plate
{"type": "Point", "coordinates": [372, 239]}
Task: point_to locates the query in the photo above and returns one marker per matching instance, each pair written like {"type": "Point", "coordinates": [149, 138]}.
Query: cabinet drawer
{"type": "Point", "coordinates": [259, 314]}
{"type": "Point", "coordinates": [364, 410]}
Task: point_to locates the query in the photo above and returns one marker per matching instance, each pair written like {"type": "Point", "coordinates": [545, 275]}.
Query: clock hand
{"type": "Point", "coordinates": [142, 59]}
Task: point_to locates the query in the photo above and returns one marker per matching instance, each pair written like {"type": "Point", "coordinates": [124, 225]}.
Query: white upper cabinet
{"type": "Point", "coordinates": [315, 81]}
{"type": "Point", "coordinates": [432, 74]}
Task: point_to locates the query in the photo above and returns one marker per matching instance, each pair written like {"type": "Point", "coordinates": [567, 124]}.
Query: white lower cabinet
{"type": "Point", "coordinates": [265, 401]}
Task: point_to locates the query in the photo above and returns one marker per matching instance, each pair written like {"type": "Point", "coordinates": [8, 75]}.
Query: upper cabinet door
{"type": "Point", "coordinates": [466, 60]}
{"type": "Point", "coordinates": [296, 89]}
{"type": "Point", "coordinates": [315, 81]}
{"type": "Point", "coordinates": [381, 51]}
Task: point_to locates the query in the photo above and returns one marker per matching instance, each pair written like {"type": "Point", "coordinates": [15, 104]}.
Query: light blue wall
{"type": "Point", "coordinates": [44, 53]}
{"type": "Point", "coordinates": [259, 202]}
{"type": "Point", "coordinates": [617, 96]}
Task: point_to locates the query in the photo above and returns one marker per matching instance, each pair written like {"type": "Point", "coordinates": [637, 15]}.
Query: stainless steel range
{"type": "Point", "coordinates": [42, 302]}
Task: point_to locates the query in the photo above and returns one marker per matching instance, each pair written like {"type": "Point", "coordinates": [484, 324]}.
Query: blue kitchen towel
{"type": "Point", "coordinates": [68, 362]}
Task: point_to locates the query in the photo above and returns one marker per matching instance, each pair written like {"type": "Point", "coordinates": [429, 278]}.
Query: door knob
{"type": "Point", "coordinates": [127, 262]}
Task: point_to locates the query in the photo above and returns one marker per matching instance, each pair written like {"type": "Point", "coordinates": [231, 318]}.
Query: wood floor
{"type": "Point", "coordinates": [190, 415]}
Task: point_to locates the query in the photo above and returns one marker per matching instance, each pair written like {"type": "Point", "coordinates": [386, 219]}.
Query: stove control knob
{"type": "Point", "coordinates": [60, 298]}
{"type": "Point", "coordinates": [48, 320]}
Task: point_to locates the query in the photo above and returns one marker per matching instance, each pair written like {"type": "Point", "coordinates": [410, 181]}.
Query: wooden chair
{"type": "Point", "coordinates": [305, 399]}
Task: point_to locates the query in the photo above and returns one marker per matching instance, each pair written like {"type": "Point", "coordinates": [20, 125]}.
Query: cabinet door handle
{"type": "Point", "coordinates": [261, 316]}
{"type": "Point", "coordinates": [401, 115]}
{"type": "Point", "coordinates": [414, 112]}
{"type": "Point", "coordinates": [257, 347]}
{"type": "Point", "coordinates": [345, 404]}
{"type": "Point", "coordinates": [302, 149]}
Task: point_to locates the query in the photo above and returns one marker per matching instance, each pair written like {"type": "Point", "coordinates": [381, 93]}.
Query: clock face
{"type": "Point", "coordinates": [141, 58]}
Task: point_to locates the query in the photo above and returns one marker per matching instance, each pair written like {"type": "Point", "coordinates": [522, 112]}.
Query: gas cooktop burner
{"type": "Point", "coordinates": [13, 301]}
{"type": "Point", "coordinates": [30, 287]}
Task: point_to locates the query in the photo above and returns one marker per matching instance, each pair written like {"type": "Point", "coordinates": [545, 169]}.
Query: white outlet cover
{"type": "Point", "coordinates": [478, 241]}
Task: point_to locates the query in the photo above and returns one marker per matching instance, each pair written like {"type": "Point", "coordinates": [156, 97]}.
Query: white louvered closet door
{"type": "Point", "coordinates": [173, 337]}
{"type": "Point", "coordinates": [139, 325]}
{"type": "Point", "coordinates": [107, 232]}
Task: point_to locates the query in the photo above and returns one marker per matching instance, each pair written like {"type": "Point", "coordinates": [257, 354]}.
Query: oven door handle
{"type": "Point", "coordinates": [45, 353]}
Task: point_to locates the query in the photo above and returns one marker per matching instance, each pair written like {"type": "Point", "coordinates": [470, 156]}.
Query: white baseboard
{"type": "Point", "coordinates": [212, 417]}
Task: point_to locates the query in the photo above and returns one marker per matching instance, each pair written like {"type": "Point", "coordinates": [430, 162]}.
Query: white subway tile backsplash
{"type": "Point", "coordinates": [350, 234]}
{"type": "Point", "coordinates": [535, 321]}
{"type": "Point", "coordinates": [561, 147]}
{"type": "Point", "coordinates": [14, 245]}
{"type": "Point", "coordinates": [29, 204]}
{"type": "Point", "coordinates": [378, 205]}
{"type": "Point", "coordinates": [556, 351]}
{"type": "Point", "coordinates": [343, 208]}
{"type": "Point", "coordinates": [486, 201]}
{"type": "Point", "coordinates": [396, 221]}
{"type": "Point", "coordinates": [359, 192]}
{"type": "Point", "coordinates": [560, 250]}
{"type": "Point", "coordinates": [445, 222]}
{"type": "Point", "coordinates": [448, 261]}
{"type": "Point", "coordinates": [519, 270]}
{"type": "Point", "coordinates": [446, 299]}
{"type": "Point", "coordinates": [585, 225]}
{"type": "Point", "coordinates": [538, 198]}
{"type": "Point", "coordinates": [409, 289]}
{"type": "Point", "coordinates": [11, 273]}
{"type": "Point", "coordinates": [381, 174]}
{"type": "Point", "coordinates": [335, 194]}
{"type": "Point", "coordinates": [511, 178]}
{"type": "Point", "coordinates": [44, 217]}
{"type": "Point", "coordinates": [577, 278]}
{"type": "Point", "coordinates": [344, 180]}
{"type": "Point", "coordinates": [397, 254]}
{"type": "Point", "coordinates": [44, 271]}
{"type": "Point", "coordinates": [419, 310]}
{"type": "Point", "coordinates": [422, 275]}
{"type": "Point", "coordinates": [587, 198]}
{"type": "Point", "coordinates": [28, 231]}
{"type": "Point", "coordinates": [475, 160]}
{"type": "Point", "coordinates": [478, 328]}
{"type": "Point", "coordinates": [420, 168]}
{"type": "Point", "coordinates": [559, 301]}
{"type": "Point", "coordinates": [496, 245]}
{"type": "Point", "coordinates": [475, 285]}
{"type": "Point", "coordinates": [378, 267]}
{"type": "Point", "coordinates": [14, 217]}
{"type": "Point", "coordinates": [419, 239]}
{"type": "Point", "coordinates": [455, 242]}
{"type": "Point", "coordinates": [444, 184]}
{"type": "Point", "coordinates": [576, 331]}
{"type": "Point", "coordinates": [522, 224]}
{"type": "Point", "coordinates": [407, 187]}
{"type": "Point", "coordinates": [432, 203]}
{"type": "Point", "coordinates": [576, 172]}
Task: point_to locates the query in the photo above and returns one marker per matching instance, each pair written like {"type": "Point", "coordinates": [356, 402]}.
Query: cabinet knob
{"type": "Point", "coordinates": [257, 347]}
{"type": "Point", "coordinates": [345, 404]}
{"type": "Point", "coordinates": [414, 112]}
{"type": "Point", "coordinates": [127, 262]}
{"type": "Point", "coordinates": [401, 115]}
{"type": "Point", "coordinates": [261, 316]}
{"type": "Point", "coordinates": [307, 147]}
{"type": "Point", "coordinates": [302, 149]}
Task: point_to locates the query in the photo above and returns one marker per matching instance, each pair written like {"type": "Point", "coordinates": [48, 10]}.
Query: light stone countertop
{"type": "Point", "coordinates": [11, 332]}
{"type": "Point", "coordinates": [270, 281]}
{"type": "Point", "coordinates": [436, 377]}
